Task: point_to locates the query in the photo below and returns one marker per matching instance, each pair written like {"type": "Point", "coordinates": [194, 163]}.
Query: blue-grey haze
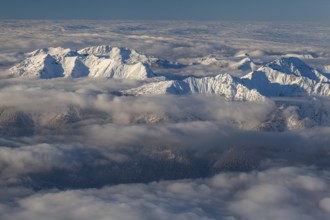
{"type": "Point", "coordinates": [237, 10]}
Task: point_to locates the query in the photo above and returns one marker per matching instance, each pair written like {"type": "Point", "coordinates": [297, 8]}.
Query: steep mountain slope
{"type": "Point", "coordinates": [41, 66]}
{"type": "Point", "coordinates": [100, 61]}
{"type": "Point", "coordinates": [222, 84]}
{"type": "Point", "coordinates": [288, 77]}
{"type": "Point", "coordinates": [15, 123]}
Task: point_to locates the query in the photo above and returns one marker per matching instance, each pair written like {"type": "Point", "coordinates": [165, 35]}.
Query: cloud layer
{"type": "Point", "coordinates": [277, 193]}
{"type": "Point", "coordinates": [72, 149]}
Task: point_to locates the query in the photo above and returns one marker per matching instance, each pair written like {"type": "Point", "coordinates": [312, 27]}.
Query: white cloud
{"type": "Point", "coordinates": [325, 204]}
{"type": "Point", "coordinates": [269, 194]}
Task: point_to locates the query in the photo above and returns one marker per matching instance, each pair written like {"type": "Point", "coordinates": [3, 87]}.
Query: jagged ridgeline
{"type": "Point", "coordinates": [286, 76]}
{"type": "Point", "coordinates": [100, 61]}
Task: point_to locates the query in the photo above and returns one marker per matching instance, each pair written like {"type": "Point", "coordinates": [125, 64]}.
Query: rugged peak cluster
{"type": "Point", "coordinates": [286, 76]}
{"type": "Point", "coordinates": [100, 61]}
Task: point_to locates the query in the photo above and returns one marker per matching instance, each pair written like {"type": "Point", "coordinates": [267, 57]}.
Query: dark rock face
{"type": "Point", "coordinates": [16, 123]}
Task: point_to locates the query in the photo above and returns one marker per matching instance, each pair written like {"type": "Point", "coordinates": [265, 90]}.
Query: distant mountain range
{"type": "Point", "coordinates": [286, 76]}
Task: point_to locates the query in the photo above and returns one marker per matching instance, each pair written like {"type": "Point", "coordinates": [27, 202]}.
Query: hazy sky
{"type": "Point", "coordinates": [241, 10]}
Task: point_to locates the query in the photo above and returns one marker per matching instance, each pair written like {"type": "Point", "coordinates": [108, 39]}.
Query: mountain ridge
{"type": "Point", "coordinates": [107, 62]}
{"type": "Point", "coordinates": [285, 76]}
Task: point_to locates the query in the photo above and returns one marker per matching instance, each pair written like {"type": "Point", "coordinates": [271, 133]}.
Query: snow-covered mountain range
{"type": "Point", "coordinates": [222, 84]}
{"type": "Point", "coordinates": [100, 61]}
{"type": "Point", "coordinates": [286, 76]}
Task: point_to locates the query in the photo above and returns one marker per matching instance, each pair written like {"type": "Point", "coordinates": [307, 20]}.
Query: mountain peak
{"type": "Point", "coordinates": [288, 76]}
{"type": "Point", "coordinates": [53, 51]}
{"type": "Point", "coordinates": [97, 50]}
{"type": "Point", "coordinates": [101, 61]}
{"type": "Point", "coordinates": [122, 54]}
{"type": "Point", "coordinates": [292, 65]}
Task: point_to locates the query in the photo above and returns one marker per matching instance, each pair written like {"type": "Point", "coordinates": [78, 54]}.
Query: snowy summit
{"type": "Point", "coordinates": [100, 61]}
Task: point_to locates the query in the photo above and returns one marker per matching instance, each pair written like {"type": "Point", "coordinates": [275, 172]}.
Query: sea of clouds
{"type": "Point", "coordinates": [71, 149]}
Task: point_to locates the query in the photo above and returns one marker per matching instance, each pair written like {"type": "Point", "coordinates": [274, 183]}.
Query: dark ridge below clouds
{"type": "Point", "coordinates": [238, 10]}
